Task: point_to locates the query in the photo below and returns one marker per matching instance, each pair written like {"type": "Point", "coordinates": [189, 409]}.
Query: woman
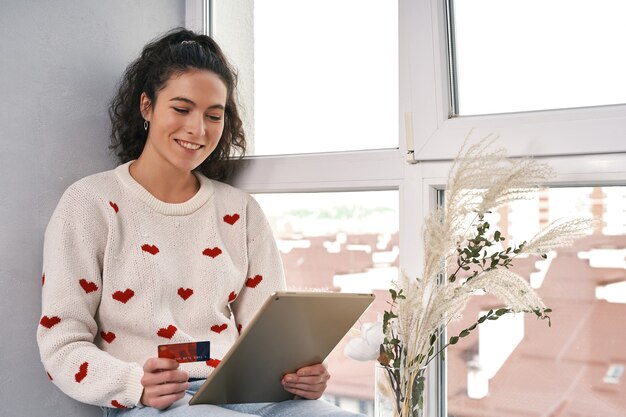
{"type": "Point", "coordinates": [158, 251]}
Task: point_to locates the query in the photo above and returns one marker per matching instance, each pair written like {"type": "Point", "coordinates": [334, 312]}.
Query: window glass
{"type": "Point", "coordinates": [520, 55]}
{"type": "Point", "coordinates": [517, 366]}
{"type": "Point", "coordinates": [345, 242]}
{"type": "Point", "coordinates": [325, 76]}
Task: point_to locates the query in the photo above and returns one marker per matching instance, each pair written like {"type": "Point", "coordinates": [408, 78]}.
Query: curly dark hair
{"type": "Point", "coordinates": [159, 60]}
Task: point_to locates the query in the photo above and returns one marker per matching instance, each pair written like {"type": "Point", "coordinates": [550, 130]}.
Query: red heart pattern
{"type": "Point", "coordinates": [253, 282]}
{"type": "Point", "coordinates": [167, 333]}
{"type": "Point", "coordinates": [220, 328]}
{"type": "Point", "coordinates": [115, 404]}
{"type": "Point", "coordinates": [49, 322]}
{"type": "Point", "coordinates": [88, 286]}
{"type": "Point", "coordinates": [212, 252]}
{"type": "Point", "coordinates": [231, 218]}
{"type": "Point", "coordinates": [108, 336]}
{"type": "Point", "coordinates": [185, 293]}
{"type": "Point", "coordinates": [151, 249]}
{"type": "Point", "coordinates": [123, 297]}
{"type": "Point", "coordinates": [126, 295]}
{"type": "Point", "coordinates": [82, 372]}
{"type": "Point", "coordinates": [213, 362]}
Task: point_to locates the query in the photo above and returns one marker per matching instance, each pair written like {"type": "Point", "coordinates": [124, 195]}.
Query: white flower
{"type": "Point", "coordinates": [366, 347]}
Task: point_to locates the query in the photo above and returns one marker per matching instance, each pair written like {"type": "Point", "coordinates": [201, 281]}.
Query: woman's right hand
{"type": "Point", "coordinates": [163, 383]}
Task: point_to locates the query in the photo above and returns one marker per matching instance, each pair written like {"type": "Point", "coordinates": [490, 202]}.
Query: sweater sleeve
{"type": "Point", "coordinates": [265, 269]}
{"type": "Point", "coordinates": [74, 245]}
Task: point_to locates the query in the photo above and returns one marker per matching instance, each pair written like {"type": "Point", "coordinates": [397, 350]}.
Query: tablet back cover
{"type": "Point", "coordinates": [290, 331]}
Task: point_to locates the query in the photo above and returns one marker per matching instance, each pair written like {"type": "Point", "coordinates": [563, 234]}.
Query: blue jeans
{"type": "Point", "coordinates": [181, 408]}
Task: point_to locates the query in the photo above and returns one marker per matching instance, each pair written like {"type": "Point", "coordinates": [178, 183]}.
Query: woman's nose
{"type": "Point", "coordinates": [195, 125]}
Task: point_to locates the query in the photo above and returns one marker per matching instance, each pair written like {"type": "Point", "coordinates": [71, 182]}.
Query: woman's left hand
{"type": "Point", "coordinates": [308, 382]}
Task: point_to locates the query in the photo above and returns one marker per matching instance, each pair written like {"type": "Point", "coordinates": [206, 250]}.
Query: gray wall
{"type": "Point", "coordinates": [59, 62]}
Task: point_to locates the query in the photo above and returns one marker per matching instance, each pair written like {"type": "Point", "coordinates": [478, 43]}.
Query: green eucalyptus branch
{"type": "Point", "coordinates": [475, 253]}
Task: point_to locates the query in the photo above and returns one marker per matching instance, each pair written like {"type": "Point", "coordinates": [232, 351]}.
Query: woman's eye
{"type": "Point", "coordinates": [181, 110]}
{"type": "Point", "coordinates": [214, 117]}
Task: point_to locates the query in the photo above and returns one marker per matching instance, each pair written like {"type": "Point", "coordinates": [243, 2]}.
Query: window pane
{"type": "Point", "coordinates": [518, 366]}
{"type": "Point", "coordinates": [519, 55]}
{"type": "Point", "coordinates": [325, 75]}
{"type": "Point", "coordinates": [344, 242]}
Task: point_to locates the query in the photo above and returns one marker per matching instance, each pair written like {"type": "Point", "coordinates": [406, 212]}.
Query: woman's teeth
{"type": "Point", "coordinates": [188, 145]}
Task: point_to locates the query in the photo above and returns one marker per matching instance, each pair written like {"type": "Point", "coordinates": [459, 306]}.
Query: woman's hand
{"type": "Point", "coordinates": [308, 382]}
{"type": "Point", "coordinates": [163, 384]}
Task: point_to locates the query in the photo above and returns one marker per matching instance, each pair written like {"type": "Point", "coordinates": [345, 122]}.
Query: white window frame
{"type": "Point", "coordinates": [198, 15]}
{"type": "Point", "coordinates": [424, 92]}
{"type": "Point", "coordinates": [585, 146]}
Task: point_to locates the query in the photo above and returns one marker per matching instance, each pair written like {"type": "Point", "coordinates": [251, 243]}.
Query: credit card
{"type": "Point", "coordinates": [186, 352]}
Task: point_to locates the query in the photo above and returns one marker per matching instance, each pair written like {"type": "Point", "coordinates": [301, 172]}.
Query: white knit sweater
{"type": "Point", "coordinates": [124, 272]}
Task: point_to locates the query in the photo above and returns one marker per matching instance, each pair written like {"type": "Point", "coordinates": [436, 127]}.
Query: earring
{"type": "Point", "coordinates": [145, 125]}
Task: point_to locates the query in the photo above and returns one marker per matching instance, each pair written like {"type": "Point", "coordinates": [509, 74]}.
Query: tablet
{"type": "Point", "coordinates": [290, 331]}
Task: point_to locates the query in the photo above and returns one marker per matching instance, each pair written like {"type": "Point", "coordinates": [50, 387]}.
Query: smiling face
{"type": "Point", "coordinates": [186, 121]}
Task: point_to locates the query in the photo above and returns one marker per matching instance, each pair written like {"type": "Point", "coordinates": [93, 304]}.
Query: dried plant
{"type": "Point", "coordinates": [457, 234]}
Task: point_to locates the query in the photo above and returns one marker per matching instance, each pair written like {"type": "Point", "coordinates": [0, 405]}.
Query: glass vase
{"type": "Point", "coordinates": [386, 403]}
{"type": "Point", "coordinates": [384, 398]}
